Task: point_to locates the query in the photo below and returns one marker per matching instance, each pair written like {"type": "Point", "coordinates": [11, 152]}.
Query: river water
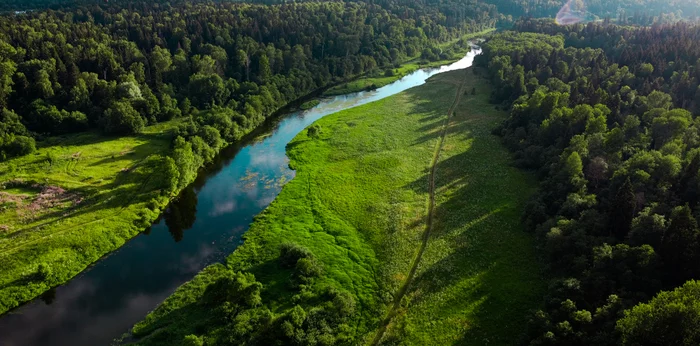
{"type": "Point", "coordinates": [201, 227]}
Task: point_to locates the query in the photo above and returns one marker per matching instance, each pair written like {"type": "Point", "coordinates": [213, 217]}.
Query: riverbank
{"type": "Point", "coordinates": [355, 216]}
{"type": "Point", "coordinates": [76, 199]}
{"type": "Point", "coordinates": [382, 77]}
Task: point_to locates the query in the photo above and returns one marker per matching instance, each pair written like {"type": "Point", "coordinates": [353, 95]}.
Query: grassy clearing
{"type": "Point", "coordinates": [76, 199]}
{"type": "Point", "coordinates": [359, 204]}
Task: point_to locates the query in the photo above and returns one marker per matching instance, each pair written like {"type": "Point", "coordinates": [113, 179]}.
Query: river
{"type": "Point", "coordinates": [201, 227]}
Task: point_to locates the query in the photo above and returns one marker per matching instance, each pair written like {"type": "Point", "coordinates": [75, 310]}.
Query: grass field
{"type": "Point", "coordinates": [360, 203]}
{"type": "Point", "coordinates": [74, 200]}
{"type": "Point", "coordinates": [478, 277]}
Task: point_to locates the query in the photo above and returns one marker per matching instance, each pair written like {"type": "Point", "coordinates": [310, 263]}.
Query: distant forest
{"type": "Point", "coordinates": [227, 66]}
{"type": "Point", "coordinates": [605, 115]}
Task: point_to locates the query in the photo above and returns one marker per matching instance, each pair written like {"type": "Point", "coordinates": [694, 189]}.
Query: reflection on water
{"type": "Point", "coordinates": [206, 223]}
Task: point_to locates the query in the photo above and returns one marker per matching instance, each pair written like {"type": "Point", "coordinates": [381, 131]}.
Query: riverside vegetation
{"type": "Point", "coordinates": [96, 99]}
{"type": "Point", "coordinates": [349, 236]}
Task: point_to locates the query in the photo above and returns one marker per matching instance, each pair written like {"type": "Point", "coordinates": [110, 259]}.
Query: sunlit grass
{"type": "Point", "coordinates": [478, 277]}
{"type": "Point", "coordinates": [74, 200]}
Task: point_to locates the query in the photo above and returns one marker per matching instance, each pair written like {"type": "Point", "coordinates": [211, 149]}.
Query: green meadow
{"type": "Point", "coordinates": [76, 199]}
{"type": "Point", "coordinates": [478, 277]}
{"type": "Point", "coordinates": [360, 208]}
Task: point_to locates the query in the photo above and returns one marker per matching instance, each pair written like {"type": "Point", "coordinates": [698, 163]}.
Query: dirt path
{"type": "Point", "coordinates": [429, 225]}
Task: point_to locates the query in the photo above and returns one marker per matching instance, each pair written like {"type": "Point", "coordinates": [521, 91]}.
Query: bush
{"type": "Point", "coordinates": [193, 340]}
{"type": "Point", "coordinates": [308, 267]}
{"type": "Point", "coordinates": [291, 253]}
{"type": "Point", "coordinates": [22, 145]}
{"type": "Point", "coordinates": [121, 118]}
{"type": "Point", "coordinates": [313, 131]}
{"type": "Point", "coordinates": [43, 272]}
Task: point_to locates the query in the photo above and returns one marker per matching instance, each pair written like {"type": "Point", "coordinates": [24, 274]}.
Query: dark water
{"type": "Point", "coordinates": [203, 226]}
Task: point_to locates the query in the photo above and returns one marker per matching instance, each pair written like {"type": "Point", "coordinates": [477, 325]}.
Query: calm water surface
{"type": "Point", "coordinates": [203, 226]}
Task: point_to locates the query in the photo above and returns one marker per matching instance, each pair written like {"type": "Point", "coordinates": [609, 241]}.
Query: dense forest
{"type": "Point", "coordinates": [605, 115]}
{"type": "Point", "coordinates": [228, 66]}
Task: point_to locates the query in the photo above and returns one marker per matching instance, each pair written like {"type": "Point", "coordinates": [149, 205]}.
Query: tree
{"type": "Point", "coordinates": [161, 61]}
{"type": "Point", "coordinates": [185, 161]}
{"type": "Point", "coordinates": [671, 318]}
{"type": "Point", "coordinates": [121, 118]}
{"type": "Point", "coordinates": [679, 248]}
{"type": "Point", "coordinates": [658, 99]}
{"type": "Point", "coordinates": [622, 210]}
{"type": "Point", "coordinates": [264, 71]}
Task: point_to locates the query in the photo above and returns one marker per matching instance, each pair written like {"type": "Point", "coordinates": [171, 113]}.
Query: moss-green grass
{"type": "Point", "coordinates": [109, 197]}
{"type": "Point", "coordinates": [359, 203]}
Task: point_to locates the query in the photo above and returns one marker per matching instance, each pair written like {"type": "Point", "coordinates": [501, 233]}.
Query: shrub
{"type": "Point", "coordinates": [43, 272]}
{"type": "Point", "coordinates": [313, 131]}
{"type": "Point", "coordinates": [308, 267]}
{"type": "Point", "coordinates": [291, 253]}
{"type": "Point", "coordinates": [193, 340]}
{"type": "Point", "coordinates": [121, 118]}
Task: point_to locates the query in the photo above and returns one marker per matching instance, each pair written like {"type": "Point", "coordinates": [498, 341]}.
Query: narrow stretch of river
{"type": "Point", "coordinates": [201, 227]}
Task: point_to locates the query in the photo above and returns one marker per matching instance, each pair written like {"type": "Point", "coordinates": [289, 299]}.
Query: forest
{"type": "Point", "coordinates": [118, 70]}
{"type": "Point", "coordinates": [605, 115]}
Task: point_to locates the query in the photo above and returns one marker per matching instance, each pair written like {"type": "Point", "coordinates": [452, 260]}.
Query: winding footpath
{"type": "Point", "coordinates": [393, 311]}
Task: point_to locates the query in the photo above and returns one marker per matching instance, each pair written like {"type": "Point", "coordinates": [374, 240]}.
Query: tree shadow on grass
{"type": "Point", "coordinates": [479, 266]}
{"type": "Point", "coordinates": [128, 187]}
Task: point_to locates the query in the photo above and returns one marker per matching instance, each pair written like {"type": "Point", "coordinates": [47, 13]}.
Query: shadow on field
{"type": "Point", "coordinates": [480, 269]}
{"type": "Point", "coordinates": [132, 184]}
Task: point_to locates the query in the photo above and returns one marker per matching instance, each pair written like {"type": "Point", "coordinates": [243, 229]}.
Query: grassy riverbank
{"type": "Point", "coordinates": [76, 199]}
{"type": "Point", "coordinates": [356, 215]}
{"type": "Point", "coordinates": [380, 78]}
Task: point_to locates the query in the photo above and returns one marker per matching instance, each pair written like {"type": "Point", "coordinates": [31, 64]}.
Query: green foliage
{"type": "Point", "coordinates": [121, 118]}
{"type": "Point", "coordinates": [313, 131]}
{"type": "Point", "coordinates": [617, 205]}
{"type": "Point", "coordinates": [14, 137]}
{"type": "Point", "coordinates": [291, 253]}
{"type": "Point", "coordinates": [192, 340]}
{"type": "Point", "coordinates": [670, 318]}
{"type": "Point", "coordinates": [309, 104]}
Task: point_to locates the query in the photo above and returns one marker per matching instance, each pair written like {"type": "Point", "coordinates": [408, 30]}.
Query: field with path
{"type": "Point", "coordinates": [382, 259]}
{"type": "Point", "coordinates": [477, 277]}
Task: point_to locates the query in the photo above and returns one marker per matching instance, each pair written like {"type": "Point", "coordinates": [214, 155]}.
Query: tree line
{"type": "Point", "coordinates": [222, 67]}
{"type": "Point", "coordinates": [606, 117]}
